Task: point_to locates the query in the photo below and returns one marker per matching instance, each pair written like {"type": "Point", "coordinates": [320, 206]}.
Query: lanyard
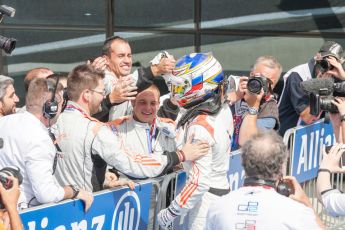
{"type": "Point", "coordinates": [72, 107]}
{"type": "Point", "coordinates": [150, 133]}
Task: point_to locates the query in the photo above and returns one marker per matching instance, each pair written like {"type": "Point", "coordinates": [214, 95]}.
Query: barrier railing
{"type": "Point", "coordinates": [111, 209]}
{"type": "Point", "coordinates": [305, 145]}
{"type": "Point", "coordinates": [138, 209]}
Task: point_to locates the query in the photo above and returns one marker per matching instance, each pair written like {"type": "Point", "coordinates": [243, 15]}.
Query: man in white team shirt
{"type": "Point", "coordinates": [257, 204]}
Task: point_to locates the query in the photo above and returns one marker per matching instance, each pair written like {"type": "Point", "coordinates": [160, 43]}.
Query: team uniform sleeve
{"type": "Point", "coordinates": [112, 149]}
{"type": "Point", "coordinates": [199, 175]}
{"type": "Point", "coordinates": [39, 168]}
{"type": "Point", "coordinates": [334, 202]}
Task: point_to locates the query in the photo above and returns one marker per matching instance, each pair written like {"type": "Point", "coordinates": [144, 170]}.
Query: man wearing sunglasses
{"type": "Point", "coordinates": [252, 100]}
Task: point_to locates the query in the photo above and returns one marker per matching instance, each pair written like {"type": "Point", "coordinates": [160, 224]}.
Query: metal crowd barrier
{"type": "Point", "coordinates": [305, 145]}
{"type": "Point", "coordinates": [138, 209]}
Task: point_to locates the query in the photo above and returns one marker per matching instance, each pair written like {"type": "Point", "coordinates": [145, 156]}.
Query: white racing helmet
{"type": "Point", "coordinates": [196, 78]}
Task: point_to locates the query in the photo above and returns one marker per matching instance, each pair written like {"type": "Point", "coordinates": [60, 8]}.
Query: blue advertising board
{"type": "Point", "coordinates": [236, 171]}
{"type": "Point", "coordinates": [121, 209]}
{"type": "Point", "coordinates": [181, 222]}
{"type": "Point", "coordinates": [308, 143]}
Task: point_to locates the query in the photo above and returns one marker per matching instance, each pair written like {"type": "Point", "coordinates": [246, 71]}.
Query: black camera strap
{"type": "Point", "coordinates": [254, 181]}
{"type": "Point", "coordinates": [57, 147]}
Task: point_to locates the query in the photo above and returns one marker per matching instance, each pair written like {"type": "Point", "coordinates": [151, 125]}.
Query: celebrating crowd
{"type": "Point", "coordinates": [103, 126]}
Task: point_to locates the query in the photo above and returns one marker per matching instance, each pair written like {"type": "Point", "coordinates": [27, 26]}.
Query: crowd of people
{"type": "Point", "coordinates": [102, 126]}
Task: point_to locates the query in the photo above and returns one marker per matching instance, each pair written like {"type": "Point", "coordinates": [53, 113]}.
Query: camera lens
{"type": "Point", "coordinates": [10, 171]}
{"type": "Point", "coordinates": [7, 44]}
{"type": "Point", "coordinates": [324, 65]}
{"type": "Point", "coordinates": [254, 85]}
{"type": "Point", "coordinates": [327, 105]}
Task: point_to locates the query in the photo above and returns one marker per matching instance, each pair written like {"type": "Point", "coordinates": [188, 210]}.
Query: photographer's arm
{"type": "Point", "coordinates": [249, 127]}
{"type": "Point", "coordinates": [10, 198]}
{"type": "Point", "coordinates": [300, 196]}
{"type": "Point", "coordinates": [307, 117]}
{"type": "Point", "coordinates": [332, 199]}
{"type": "Point", "coordinates": [338, 70]}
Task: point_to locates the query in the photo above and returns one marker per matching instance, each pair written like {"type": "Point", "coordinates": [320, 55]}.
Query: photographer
{"type": "Point", "coordinates": [293, 104]}
{"type": "Point", "coordinates": [332, 199]}
{"type": "Point", "coordinates": [256, 110]}
{"type": "Point", "coordinates": [265, 201]}
{"type": "Point", "coordinates": [9, 198]}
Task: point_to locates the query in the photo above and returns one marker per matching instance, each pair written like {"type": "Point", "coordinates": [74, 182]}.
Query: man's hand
{"type": "Point", "coordinates": [165, 66]}
{"type": "Point", "coordinates": [242, 87]}
{"type": "Point", "coordinates": [194, 151]}
{"type": "Point", "coordinates": [337, 70]}
{"type": "Point", "coordinates": [165, 218]}
{"type": "Point", "coordinates": [111, 181]}
{"type": "Point", "coordinates": [86, 197]}
{"type": "Point", "coordinates": [340, 103]}
{"type": "Point", "coordinates": [299, 194]}
{"type": "Point", "coordinates": [100, 63]}
{"type": "Point", "coordinates": [124, 90]}
{"type": "Point", "coordinates": [331, 160]}
{"type": "Point", "coordinates": [253, 99]}
{"type": "Point", "coordinates": [9, 197]}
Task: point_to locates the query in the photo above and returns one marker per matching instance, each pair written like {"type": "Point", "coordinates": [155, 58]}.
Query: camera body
{"type": "Point", "coordinates": [258, 82]}
{"type": "Point", "coordinates": [321, 93]}
{"type": "Point", "coordinates": [284, 187]}
{"type": "Point", "coordinates": [324, 65]}
{"type": "Point", "coordinates": [6, 172]}
{"type": "Point", "coordinates": [321, 102]}
{"type": "Point", "coordinates": [7, 44]}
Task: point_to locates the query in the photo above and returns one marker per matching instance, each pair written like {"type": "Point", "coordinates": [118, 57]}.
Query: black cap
{"type": "Point", "coordinates": [330, 48]}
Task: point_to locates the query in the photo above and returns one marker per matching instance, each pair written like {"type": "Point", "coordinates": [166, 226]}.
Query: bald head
{"type": "Point", "coordinates": [36, 73]}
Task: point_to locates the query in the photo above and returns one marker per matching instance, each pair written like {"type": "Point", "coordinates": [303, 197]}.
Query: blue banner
{"type": "Point", "coordinates": [236, 172]}
{"type": "Point", "coordinates": [181, 222]}
{"type": "Point", "coordinates": [308, 143]}
{"type": "Point", "coordinates": [121, 209]}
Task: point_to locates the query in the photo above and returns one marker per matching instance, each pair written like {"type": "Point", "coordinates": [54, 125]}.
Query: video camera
{"type": "Point", "coordinates": [7, 44]}
{"type": "Point", "coordinates": [321, 92]}
{"type": "Point", "coordinates": [258, 82]}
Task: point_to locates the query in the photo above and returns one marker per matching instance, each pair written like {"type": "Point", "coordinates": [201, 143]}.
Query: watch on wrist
{"type": "Point", "coordinates": [75, 191]}
{"type": "Point", "coordinates": [252, 111]}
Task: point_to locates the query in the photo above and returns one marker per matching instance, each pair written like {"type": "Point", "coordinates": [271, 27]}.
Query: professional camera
{"type": "Point", "coordinates": [7, 44]}
{"type": "Point", "coordinates": [258, 82]}
{"type": "Point", "coordinates": [321, 92]}
{"type": "Point", "coordinates": [324, 65]}
{"type": "Point", "coordinates": [6, 172]}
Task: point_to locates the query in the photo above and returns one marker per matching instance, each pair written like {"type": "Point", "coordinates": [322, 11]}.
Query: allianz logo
{"type": "Point", "coordinates": [127, 212]}
{"type": "Point", "coordinates": [126, 216]}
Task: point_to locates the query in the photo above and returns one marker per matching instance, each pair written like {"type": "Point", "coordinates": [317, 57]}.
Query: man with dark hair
{"type": "Point", "coordinates": [121, 86]}
{"type": "Point", "coordinates": [258, 204]}
{"type": "Point", "coordinates": [85, 141]}
{"type": "Point", "coordinates": [8, 96]}
{"type": "Point", "coordinates": [28, 146]}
